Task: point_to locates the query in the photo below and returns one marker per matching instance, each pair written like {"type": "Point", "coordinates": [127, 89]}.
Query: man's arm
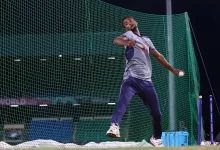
{"type": "Point", "coordinates": [164, 62]}
{"type": "Point", "coordinates": [122, 41]}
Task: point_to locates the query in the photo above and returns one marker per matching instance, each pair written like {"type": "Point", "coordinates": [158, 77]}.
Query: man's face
{"type": "Point", "coordinates": [130, 24]}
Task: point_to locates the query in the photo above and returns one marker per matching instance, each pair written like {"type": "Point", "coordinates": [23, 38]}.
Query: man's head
{"type": "Point", "coordinates": [129, 23]}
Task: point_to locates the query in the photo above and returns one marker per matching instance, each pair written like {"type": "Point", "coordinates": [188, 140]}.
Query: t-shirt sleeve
{"type": "Point", "coordinates": [150, 44]}
{"type": "Point", "coordinates": [129, 35]}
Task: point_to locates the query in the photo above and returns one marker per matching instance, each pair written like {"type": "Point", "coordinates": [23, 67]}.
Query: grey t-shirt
{"type": "Point", "coordinates": [138, 62]}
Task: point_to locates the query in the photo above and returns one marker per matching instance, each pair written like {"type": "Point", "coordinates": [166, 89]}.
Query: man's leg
{"type": "Point", "coordinates": [127, 91]}
{"type": "Point", "coordinates": [150, 99]}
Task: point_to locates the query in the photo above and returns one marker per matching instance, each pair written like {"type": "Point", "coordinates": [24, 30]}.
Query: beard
{"type": "Point", "coordinates": [134, 29]}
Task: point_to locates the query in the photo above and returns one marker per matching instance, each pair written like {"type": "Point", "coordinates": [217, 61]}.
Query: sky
{"type": "Point", "coordinates": [205, 18]}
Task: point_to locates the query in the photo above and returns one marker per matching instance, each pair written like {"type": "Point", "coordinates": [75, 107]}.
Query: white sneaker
{"type": "Point", "coordinates": [113, 131]}
{"type": "Point", "coordinates": [156, 142]}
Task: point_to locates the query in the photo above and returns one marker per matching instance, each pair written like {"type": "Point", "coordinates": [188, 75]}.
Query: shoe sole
{"type": "Point", "coordinates": [111, 135]}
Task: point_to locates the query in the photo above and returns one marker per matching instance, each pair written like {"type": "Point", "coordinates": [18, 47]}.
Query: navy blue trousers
{"type": "Point", "coordinates": [146, 91]}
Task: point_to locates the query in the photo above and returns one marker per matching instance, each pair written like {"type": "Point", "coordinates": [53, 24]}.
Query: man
{"type": "Point", "coordinates": [137, 78]}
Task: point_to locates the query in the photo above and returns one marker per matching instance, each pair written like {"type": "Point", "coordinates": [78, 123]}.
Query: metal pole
{"type": "Point", "coordinates": [172, 114]}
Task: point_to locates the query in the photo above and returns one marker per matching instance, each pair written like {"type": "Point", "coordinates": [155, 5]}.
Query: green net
{"type": "Point", "coordinates": [61, 72]}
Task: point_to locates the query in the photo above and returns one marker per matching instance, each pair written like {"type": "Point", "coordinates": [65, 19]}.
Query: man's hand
{"type": "Point", "coordinates": [131, 43]}
{"type": "Point", "coordinates": [176, 71]}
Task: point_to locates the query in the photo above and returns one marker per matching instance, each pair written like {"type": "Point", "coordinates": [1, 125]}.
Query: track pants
{"type": "Point", "coordinates": [146, 91]}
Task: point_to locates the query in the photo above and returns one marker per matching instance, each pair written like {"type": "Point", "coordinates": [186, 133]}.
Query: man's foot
{"type": "Point", "coordinates": [113, 131]}
{"type": "Point", "coordinates": [156, 142]}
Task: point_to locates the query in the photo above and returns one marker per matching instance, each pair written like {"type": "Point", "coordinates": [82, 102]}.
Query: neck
{"type": "Point", "coordinates": [137, 32]}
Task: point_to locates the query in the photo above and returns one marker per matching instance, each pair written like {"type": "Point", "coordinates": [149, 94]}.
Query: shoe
{"type": "Point", "coordinates": [113, 131]}
{"type": "Point", "coordinates": [156, 142]}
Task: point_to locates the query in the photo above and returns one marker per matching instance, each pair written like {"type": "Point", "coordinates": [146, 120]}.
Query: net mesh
{"type": "Point", "coordinates": [60, 54]}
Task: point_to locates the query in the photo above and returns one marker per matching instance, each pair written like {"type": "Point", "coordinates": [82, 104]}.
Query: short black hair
{"type": "Point", "coordinates": [125, 17]}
